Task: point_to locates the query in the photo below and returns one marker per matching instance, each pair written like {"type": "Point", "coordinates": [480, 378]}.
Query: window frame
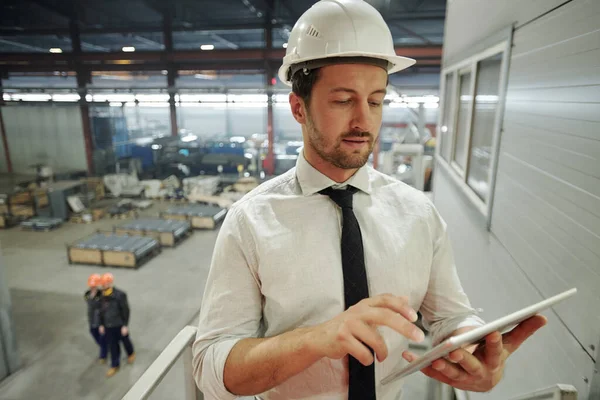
{"type": "Point", "coordinates": [459, 176]}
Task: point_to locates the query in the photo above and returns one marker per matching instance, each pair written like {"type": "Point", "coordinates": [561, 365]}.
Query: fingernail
{"type": "Point", "coordinates": [413, 316]}
{"type": "Point", "coordinates": [418, 335]}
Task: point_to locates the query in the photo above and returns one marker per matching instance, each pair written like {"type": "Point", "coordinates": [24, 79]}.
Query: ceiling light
{"type": "Point", "coordinates": [207, 47]}
{"type": "Point", "coordinates": [56, 50]}
{"type": "Point", "coordinates": [285, 45]}
{"type": "Point", "coordinates": [128, 49]}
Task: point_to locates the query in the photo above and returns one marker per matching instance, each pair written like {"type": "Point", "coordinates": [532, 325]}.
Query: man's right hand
{"type": "Point", "coordinates": [101, 330]}
{"type": "Point", "coordinates": [356, 328]}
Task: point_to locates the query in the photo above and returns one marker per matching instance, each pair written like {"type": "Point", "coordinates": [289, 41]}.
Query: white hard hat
{"type": "Point", "coordinates": [340, 28]}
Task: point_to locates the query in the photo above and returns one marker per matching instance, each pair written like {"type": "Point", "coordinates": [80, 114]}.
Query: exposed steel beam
{"type": "Point", "coordinates": [183, 55]}
{"type": "Point", "coordinates": [431, 55]}
{"type": "Point", "coordinates": [140, 29]}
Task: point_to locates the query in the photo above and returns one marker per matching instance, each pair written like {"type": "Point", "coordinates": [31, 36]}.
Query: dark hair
{"type": "Point", "coordinates": [302, 84]}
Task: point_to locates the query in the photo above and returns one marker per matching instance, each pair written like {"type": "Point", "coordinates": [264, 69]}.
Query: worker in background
{"type": "Point", "coordinates": [92, 297]}
{"type": "Point", "coordinates": [308, 266]}
{"type": "Point", "coordinates": [115, 320]}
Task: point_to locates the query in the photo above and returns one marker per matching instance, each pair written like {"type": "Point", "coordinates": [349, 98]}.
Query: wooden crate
{"type": "Point", "coordinates": [203, 223]}
{"type": "Point", "coordinates": [120, 259]}
{"type": "Point", "coordinates": [111, 253]}
{"type": "Point", "coordinates": [21, 198]}
{"type": "Point", "coordinates": [41, 198]}
{"type": "Point", "coordinates": [95, 185]}
{"type": "Point", "coordinates": [85, 256]}
{"type": "Point", "coordinates": [166, 239]}
{"type": "Point", "coordinates": [199, 216]}
{"type": "Point", "coordinates": [98, 213]}
{"type": "Point", "coordinates": [175, 217]}
{"type": "Point", "coordinates": [22, 210]}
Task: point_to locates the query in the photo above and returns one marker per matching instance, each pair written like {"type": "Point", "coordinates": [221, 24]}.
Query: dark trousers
{"type": "Point", "coordinates": [101, 340]}
{"type": "Point", "coordinates": [113, 337]}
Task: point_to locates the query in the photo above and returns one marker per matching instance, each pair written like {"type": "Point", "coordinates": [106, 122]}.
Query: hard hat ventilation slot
{"type": "Point", "coordinates": [312, 31]}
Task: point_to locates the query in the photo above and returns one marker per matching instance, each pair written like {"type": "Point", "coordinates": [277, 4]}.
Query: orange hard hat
{"type": "Point", "coordinates": [94, 280]}
{"type": "Point", "coordinates": [107, 278]}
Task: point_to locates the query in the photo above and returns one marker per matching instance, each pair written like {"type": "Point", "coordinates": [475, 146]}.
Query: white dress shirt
{"type": "Point", "coordinates": [277, 266]}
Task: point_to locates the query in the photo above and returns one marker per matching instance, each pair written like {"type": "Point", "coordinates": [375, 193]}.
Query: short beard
{"type": "Point", "coordinates": [337, 156]}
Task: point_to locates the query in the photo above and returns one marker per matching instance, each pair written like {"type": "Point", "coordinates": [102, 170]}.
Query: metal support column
{"type": "Point", "coordinates": [269, 77]}
{"type": "Point", "coordinates": [3, 132]}
{"type": "Point", "coordinates": [87, 134]}
{"type": "Point", "coordinates": [421, 121]}
{"type": "Point", "coordinates": [228, 129]}
{"type": "Point", "coordinates": [172, 107]}
{"type": "Point", "coordinates": [171, 72]}
{"type": "Point", "coordinates": [84, 77]}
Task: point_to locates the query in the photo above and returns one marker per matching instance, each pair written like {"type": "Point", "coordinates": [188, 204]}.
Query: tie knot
{"type": "Point", "coordinates": [341, 197]}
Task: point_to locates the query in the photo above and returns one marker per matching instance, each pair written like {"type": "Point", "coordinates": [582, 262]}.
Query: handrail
{"type": "Point", "coordinates": [180, 346]}
{"type": "Point", "coordinates": [556, 392]}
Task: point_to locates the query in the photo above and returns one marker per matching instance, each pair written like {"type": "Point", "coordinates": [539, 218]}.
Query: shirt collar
{"type": "Point", "coordinates": [312, 181]}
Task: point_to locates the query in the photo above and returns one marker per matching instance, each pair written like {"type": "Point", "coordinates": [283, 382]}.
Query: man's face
{"type": "Point", "coordinates": [344, 115]}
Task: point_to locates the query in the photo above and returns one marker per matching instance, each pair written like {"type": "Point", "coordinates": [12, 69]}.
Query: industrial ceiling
{"type": "Point", "coordinates": [184, 43]}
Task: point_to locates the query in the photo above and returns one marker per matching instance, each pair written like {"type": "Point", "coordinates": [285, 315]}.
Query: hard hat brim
{"type": "Point", "coordinates": [398, 63]}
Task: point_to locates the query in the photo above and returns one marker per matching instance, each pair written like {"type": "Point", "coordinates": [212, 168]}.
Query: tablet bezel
{"type": "Point", "coordinates": [503, 324]}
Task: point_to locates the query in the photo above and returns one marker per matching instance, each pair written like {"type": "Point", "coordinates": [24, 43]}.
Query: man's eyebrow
{"type": "Point", "coordinates": [352, 91]}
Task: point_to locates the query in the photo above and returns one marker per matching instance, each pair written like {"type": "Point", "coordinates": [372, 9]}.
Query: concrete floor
{"type": "Point", "coordinates": [58, 355]}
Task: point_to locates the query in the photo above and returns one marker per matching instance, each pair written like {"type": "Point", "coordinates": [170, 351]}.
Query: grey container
{"type": "Point", "coordinates": [200, 216]}
{"type": "Point", "coordinates": [169, 232]}
{"type": "Point", "coordinates": [41, 223]}
{"type": "Point", "coordinates": [112, 249]}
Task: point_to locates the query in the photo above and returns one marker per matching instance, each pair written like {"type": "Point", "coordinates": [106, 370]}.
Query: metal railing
{"type": "Point", "coordinates": [556, 392]}
{"type": "Point", "coordinates": [179, 348]}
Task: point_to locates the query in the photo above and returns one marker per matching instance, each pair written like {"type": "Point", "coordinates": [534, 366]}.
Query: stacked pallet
{"type": "Point", "coordinates": [111, 249]}
{"type": "Point", "coordinates": [199, 215]}
{"type": "Point", "coordinates": [244, 185]}
{"type": "Point", "coordinates": [95, 186]}
{"type": "Point", "coordinates": [21, 204]}
{"type": "Point", "coordinates": [41, 224]}
{"type": "Point", "coordinates": [168, 232]}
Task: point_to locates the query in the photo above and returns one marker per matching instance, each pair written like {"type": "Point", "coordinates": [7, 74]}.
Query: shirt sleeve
{"type": "Point", "coordinates": [231, 305]}
{"type": "Point", "coordinates": [446, 306]}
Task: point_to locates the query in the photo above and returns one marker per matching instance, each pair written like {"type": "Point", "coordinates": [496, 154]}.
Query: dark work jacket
{"type": "Point", "coordinates": [93, 305]}
{"type": "Point", "coordinates": [115, 309]}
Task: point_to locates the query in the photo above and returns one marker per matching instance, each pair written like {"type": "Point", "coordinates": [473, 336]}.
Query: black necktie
{"type": "Point", "coordinates": [362, 379]}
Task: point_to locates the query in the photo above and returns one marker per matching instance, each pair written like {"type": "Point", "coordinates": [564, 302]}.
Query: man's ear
{"type": "Point", "coordinates": [298, 108]}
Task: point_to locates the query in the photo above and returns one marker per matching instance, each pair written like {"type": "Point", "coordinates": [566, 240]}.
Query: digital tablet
{"type": "Point", "coordinates": [502, 325]}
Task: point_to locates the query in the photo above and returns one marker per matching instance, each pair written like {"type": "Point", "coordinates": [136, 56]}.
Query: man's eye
{"type": "Point", "coordinates": [342, 101]}
{"type": "Point", "coordinates": [375, 104]}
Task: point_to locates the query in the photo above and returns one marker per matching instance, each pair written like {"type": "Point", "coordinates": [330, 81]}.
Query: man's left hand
{"type": "Point", "coordinates": [482, 370]}
{"type": "Point", "coordinates": [124, 331]}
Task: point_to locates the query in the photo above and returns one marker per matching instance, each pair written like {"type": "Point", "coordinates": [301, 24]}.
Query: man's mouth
{"type": "Point", "coordinates": [356, 143]}
{"type": "Point", "coordinates": [356, 140]}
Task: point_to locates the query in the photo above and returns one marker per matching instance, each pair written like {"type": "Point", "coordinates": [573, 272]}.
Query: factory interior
{"type": "Point", "coordinates": [132, 129]}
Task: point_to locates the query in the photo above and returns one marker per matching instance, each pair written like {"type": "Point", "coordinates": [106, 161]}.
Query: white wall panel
{"type": "Point", "coordinates": [45, 134]}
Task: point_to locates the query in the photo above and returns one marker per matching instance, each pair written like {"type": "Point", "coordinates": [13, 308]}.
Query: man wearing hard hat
{"type": "Point", "coordinates": [317, 274]}
{"type": "Point", "coordinates": [92, 297]}
{"type": "Point", "coordinates": [115, 321]}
